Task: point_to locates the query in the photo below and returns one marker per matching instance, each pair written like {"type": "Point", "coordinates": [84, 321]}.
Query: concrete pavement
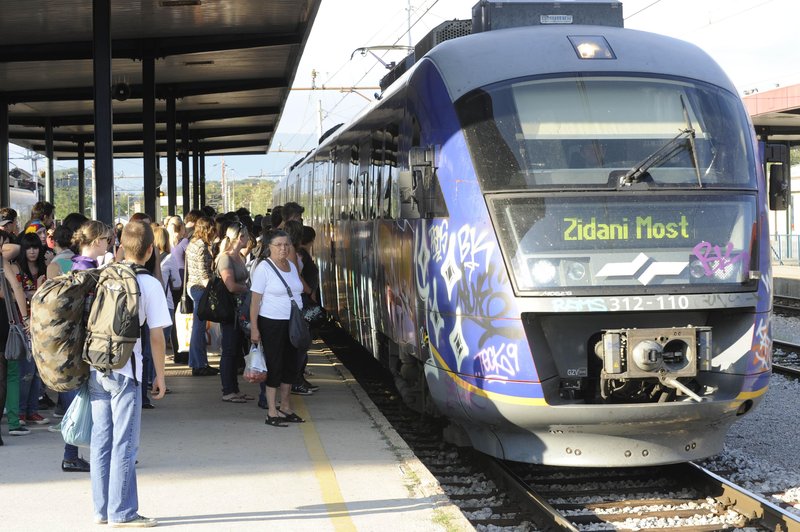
{"type": "Point", "coordinates": [209, 465]}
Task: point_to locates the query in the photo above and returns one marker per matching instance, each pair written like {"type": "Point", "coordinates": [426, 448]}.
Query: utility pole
{"type": "Point", "coordinates": [319, 126]}
{"type": "Point", "coordinates": [410, 43]}
{"type": "Point", "coordinates": [223, 189]}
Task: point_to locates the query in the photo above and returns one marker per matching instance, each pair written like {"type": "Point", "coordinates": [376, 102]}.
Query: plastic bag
{"type": "Point", "coordinates": [255, 369]}
{"type": "Point", "coordinates": [183, 328]}
{"type": "Point", "coordinates": [76, 427]}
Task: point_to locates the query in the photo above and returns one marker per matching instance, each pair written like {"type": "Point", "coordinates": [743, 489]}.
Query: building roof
{"type": "Point", "coordinates": [776, 113]}
{"type": "Point", "coordinates": [229, 64]}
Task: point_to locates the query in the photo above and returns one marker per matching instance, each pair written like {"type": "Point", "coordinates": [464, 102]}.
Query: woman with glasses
{"type": "Point", "coordinates": [233, 272]}
{"type": "Point", "coordinates": [270, 309]}
{"type": "Point", "coordinates": [198, 264]}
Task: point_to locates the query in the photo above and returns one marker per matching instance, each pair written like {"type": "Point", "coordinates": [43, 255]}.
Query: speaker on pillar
{"type": "Point", "coordinates": [121, 91]}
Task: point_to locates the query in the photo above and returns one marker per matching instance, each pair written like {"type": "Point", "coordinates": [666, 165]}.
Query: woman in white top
{"type": "Point", "coordinates": [270, 308]}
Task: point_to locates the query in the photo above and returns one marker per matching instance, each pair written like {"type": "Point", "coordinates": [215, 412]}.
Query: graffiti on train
{"type": "Point", "coordinates": [464, 287]}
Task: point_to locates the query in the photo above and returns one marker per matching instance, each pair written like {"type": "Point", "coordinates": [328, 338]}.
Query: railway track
{"type": "Point", "coordinates": [787, 306]}
{"type": "Point", "coordinates": [786, 358]}
{"type": "Point", "coordinates": [498, 495]}
{"type": "Point", "coordinates": [676, 498]}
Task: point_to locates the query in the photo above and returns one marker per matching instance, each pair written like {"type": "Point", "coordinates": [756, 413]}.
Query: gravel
{"type": "Point", "coordinates": [761, 447]}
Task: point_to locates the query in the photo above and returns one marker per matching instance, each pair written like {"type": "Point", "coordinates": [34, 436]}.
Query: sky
{"type": "Point", "coordinates": [755, 41]}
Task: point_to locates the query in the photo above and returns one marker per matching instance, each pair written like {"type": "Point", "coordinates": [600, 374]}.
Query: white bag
{"type": "Point", "coordinates": [255, 369]}
{"type": "Point", "coordinates": [213, 337]}
{"type": "Point", "coordinates": [183, 328]}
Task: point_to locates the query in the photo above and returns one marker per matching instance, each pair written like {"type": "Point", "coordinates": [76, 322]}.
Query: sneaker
{"type": "Point", "coordinates": [58, 411]}
{"type": "Point", "coordinates": [19, 431]}
{"type": "Point", "coordinates": [312, 387]}
{"type": "Point", "coordinates": [137, 522]}
{"type": "Point", "coordinates": [45, 403]}
{"type": "Point", "coordinates": [54, 428]}
{"type": "Point", "coordinates": [37, 419]}
{"type": "Point", "coordinates": [22, 420]}
{"type": "Point", "coordinates": [79, 465]}
{"type": "Point", "coordinates": [299, 389]}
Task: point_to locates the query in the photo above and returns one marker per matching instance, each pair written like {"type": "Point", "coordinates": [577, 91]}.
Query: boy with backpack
{"type": "Point", "coordinates": [117, 400]}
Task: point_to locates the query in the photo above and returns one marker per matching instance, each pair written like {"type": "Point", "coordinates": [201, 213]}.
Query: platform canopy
{"type": "Point", "coordinates": [776, 113]}
{"type": "Point", "coordinates": [227, 63]}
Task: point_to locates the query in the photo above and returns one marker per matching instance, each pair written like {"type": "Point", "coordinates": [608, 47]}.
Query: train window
{"type": "Point", "coordinates": [391, 194]}
{"type": "Point", "coordinates": [588, 131]}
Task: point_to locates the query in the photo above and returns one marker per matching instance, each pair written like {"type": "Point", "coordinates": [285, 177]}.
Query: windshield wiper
{"type": "Point", "coordinates": [664, 153]}
{"type": "Point", "coordinates": [692, 145]}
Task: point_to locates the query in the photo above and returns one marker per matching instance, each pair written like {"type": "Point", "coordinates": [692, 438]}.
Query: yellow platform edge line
{"type": "Point", "coordinates": [329, 486]}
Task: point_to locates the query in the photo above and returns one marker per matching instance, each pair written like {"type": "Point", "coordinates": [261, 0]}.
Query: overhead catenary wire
{"type": "Point", "coordinates": [310, 138]}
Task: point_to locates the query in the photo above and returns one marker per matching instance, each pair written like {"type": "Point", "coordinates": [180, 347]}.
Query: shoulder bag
{"type": "Point", "coordinates": [17, 344]}
{"type": "Point", "coordinates": [186, 305]}
{"type": "Point", "coordinates": [299, 335]}
{"type": "Point", "coordinates": [217, 303]}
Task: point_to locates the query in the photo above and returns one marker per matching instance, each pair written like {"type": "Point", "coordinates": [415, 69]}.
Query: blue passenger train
{"type": "Point", "coordinates": [557, 237]}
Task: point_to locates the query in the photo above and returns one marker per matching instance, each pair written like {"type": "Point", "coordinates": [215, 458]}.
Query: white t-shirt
{"type": "Point", "coordinates": [153, 309]}
{"type": "Point", "coordinates": [275, 303]}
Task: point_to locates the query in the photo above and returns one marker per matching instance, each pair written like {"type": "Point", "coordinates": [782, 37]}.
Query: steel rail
{"type": "Point", "coordinates": [755, 508]}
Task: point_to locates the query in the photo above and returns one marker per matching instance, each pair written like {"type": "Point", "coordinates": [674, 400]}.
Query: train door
{"type": "Point", "coordinates": [366, 238]}
{"type": "Point", "coordinates": [327, 241]}
{"type": "Point", "coordinates": [342, 234]}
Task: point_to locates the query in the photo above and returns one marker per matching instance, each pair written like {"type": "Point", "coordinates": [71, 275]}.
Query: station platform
{"type": "Point", "coordinates": [209, 465]}
{"type": "Point", "coordinates": [786, 279]}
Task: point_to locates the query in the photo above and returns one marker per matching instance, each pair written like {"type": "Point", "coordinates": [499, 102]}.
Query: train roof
{"type": "Point", "coordinates": [481, 59]}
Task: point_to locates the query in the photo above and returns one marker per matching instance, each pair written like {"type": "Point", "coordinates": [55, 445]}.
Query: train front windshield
{"type": "Point", "coordinates": [616, 183]}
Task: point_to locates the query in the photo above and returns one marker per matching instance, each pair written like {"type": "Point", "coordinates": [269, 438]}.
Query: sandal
{"type": "Point", "coordinates": [275, 422]}
{"type": "Point", "coordinates": [291, 418]}
{"type": "Point", "coordinates": [233, 398]}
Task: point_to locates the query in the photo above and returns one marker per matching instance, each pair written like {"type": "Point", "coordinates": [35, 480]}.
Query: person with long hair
{"type": "Point", "coordinates": [199, 265]}
{"type": "Point", "coordinates": [270, 311]}
{"type": "Point", "coordinates": [29, 268]}
{"type": "Point", "coordinates": [233, 272]}
{"type": "Point", "coordinates": [9, 369]}
{"type": "Point", "coordinates": [172, 278]}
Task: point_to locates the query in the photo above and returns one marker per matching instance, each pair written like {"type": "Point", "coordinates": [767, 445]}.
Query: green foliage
{"type": "Point", "coordinates": [254, 194]}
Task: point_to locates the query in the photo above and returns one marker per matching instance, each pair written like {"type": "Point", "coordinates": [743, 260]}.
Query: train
{"type": "Point", "coordinates": [554, 233]}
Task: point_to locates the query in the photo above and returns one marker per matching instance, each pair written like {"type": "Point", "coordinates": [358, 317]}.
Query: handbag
{"type": "Point", "coordinates": [187, 305]}
{"type": "Point", "coordinates": [313, 312]}
{"type": "Point", "coordinates": [18, 344]}
{"type": "Point", "coordinates": [217, 303]}
{"type": "Point", "coordinates": [299, 335]}
{"type": "Point", "coordinates": [76, 426]}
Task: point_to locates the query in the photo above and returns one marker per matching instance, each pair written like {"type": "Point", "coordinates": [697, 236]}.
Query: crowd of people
{"type": "Point", "coordinates": [256, 258]}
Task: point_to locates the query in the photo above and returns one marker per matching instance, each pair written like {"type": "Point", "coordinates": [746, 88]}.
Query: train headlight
{"type": "Point", "coordinates": [591, 47]}
{"type": "Point", "coordinates": [543, 272]}
{"type": "Point", "coordinates": [715, 271]}
{"type": "Point", "coordinates": [576, 271]}
{"type": "Point", "coordinates": [696, 269]}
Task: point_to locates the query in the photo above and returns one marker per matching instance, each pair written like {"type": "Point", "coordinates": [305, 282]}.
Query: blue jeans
{"type": "Point", "coordinates": [29, 387]}
{"type": "Point", "coordinates": [65, 398]}
{"type": "Point", "coordinates": [231, 347]}
{"type": "Point", "coordinates": [198, 357]}
{"type": "Point", "coordinates": [117, 418]}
